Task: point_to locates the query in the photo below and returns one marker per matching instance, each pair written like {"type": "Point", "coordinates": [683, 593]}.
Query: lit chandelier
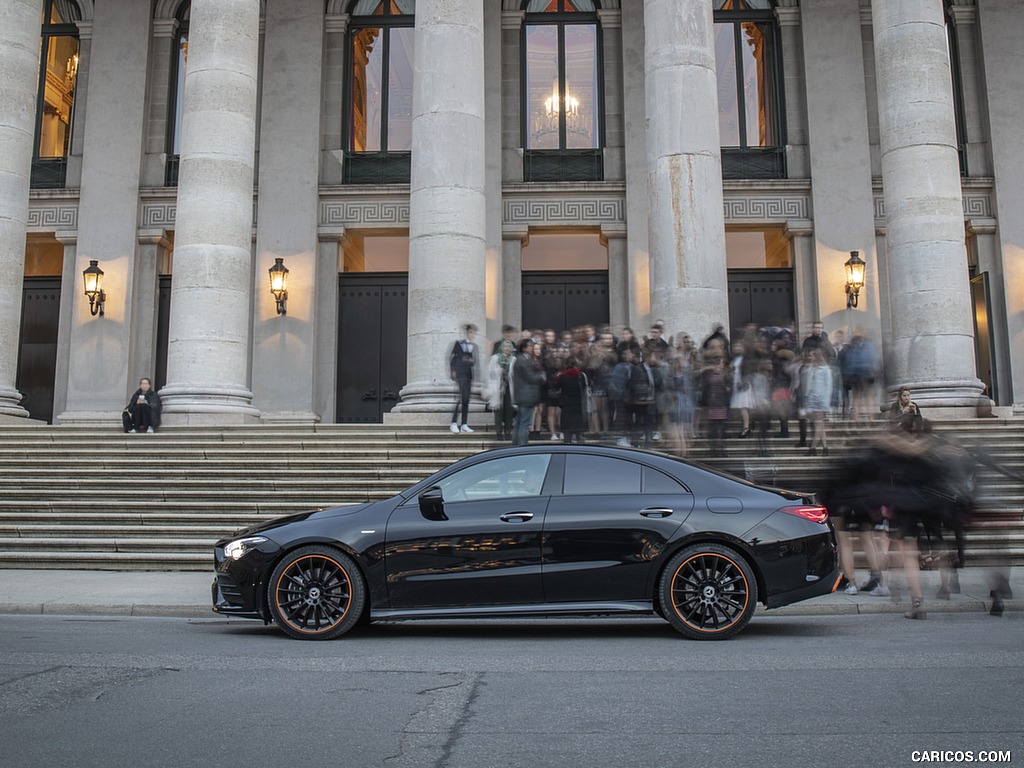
{"type": "Point", "coordinates": [577, 119]}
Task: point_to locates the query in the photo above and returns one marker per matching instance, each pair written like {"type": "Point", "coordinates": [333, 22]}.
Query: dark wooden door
{"type": "Point", "coordinates": [163, 319]}
{"type": "Point", "coordinates": [37, 353]}
{"type": "Point", "coordinates": [760, 296]}
{"type": "Point", "coordinates": [372, 344]}
{"type": "Point", "coordinates": [564, 300]}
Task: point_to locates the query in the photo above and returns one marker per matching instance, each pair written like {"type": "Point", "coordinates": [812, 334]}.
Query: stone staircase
{"type": "Point", "coordinates": [75, 497]}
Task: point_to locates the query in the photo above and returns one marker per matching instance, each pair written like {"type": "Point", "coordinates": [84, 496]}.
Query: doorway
{"type": "Point", "coordinates": [372, 344]}
{"type": "Point", "coordinates": [984, 348]}
{"type": "Point", "coordinates": [565, 300]}
{"type": "Point", "coordinates": [760, 296]}
{"type": "Point", "coordinates": [37, 353]}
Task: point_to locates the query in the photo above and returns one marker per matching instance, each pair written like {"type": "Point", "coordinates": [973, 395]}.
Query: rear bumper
{"type": "Point", "coordinates": [823, 586]}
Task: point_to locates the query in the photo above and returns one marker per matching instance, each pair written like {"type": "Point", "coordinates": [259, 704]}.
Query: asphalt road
{"type": "Point", "coordinates": [789, 691]}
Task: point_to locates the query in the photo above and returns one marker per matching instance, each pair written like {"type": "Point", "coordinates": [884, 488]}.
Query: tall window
{"type": "Point", "coordinates": [55, 101]}
{"type": "Point", "coordinates": [177, 95]}
{"type": "Point", "coordinates": [749, 89]}
{"type": "Point", "coordinates": [562, 98]}
{"type": "Point", "coordinates": [378, 131]}
{"type": "Point", "coordinates": [956, 73]}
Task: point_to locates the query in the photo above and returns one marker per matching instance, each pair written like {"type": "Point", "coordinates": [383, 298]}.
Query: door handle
{"type": "Point", "coordinates": [371, 395]}
{"type": "Point", "coordinates": [516, 517]}
{"type": "Point", "coordinates": [389, 395]}
{"type": "Point", "coordinates": [656, 512]}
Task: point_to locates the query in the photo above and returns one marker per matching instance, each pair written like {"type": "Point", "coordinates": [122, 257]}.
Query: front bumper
{"type": "Point", "coordinates": [239, 586]}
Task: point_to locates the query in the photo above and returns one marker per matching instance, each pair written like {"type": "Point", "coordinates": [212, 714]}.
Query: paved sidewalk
{"type": "Point", "coordinates": [187, 594]}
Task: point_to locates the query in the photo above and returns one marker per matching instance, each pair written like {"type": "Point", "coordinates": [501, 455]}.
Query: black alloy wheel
{"type": "Point", "coordinates": [316, 593]}
{"type": "Point", "coordinates": [708, 592]}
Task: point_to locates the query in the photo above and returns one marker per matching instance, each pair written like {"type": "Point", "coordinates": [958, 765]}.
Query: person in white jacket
{"type": "Point", "coordinates": [496, 389]}
{"type": "Point", "coordinates": [817, 392]}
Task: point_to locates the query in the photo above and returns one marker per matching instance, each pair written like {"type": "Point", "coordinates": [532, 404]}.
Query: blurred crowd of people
{"type": "Point", "coordinates": [610, 383]}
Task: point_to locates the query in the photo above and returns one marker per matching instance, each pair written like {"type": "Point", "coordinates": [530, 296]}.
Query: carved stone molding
{"type": "Point", "coordinates": [364, 213]}
{"type": "Point", "coordinates": [765, 207]}
{"type": "Point", "coordinates": [977, 202]}
{"type": "Point", "coordinates": [565, 211]}
{"type": "Point", "coordinates": [48, 216]}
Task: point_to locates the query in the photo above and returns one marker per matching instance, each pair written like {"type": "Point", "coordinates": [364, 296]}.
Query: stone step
{"type": "Point", "coordinates": [108, 561]}
{"type": "Point", "coordinates": [121, 544]}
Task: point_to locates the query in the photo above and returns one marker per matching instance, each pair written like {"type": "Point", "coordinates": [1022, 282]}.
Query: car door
{"type": "Point", "coordinates": [605, 530]}
{"type": "Point", "coordinates": [486, 551]}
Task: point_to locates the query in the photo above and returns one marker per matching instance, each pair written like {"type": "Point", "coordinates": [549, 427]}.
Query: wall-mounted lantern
{"type": "Point", "coordinates": [854, 278]}
{"type": "Point", "coordinates": [94, 288]}
{"type": "Point", "coordinates": [279, 285]}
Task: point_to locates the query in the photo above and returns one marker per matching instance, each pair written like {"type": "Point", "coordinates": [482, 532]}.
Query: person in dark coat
{"type": "Point", "coordinates": [526, 375]}
{"type": "Point", "coordinates": [461, 362]}
{"type": "Point", "coordinates": [144, 408]}
{"type": "Point", "coordinates": [715, 391]}
{"type": "Point", "coordinates": [572, 385]}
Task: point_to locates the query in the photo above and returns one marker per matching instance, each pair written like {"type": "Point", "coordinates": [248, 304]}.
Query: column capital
{"type": "Point", "coordinates": [337, 235]}
{"type": "Point", "coordinates": [963, 14]}
{"type": "Point", "coordinates": [336, 23]}
{"type": "Point", "coordinates": [982, 226]}
{"type": "Point", "coordinates": [519, 232]}
{"type": "Point", "coordinates": [788, 17]}
{"type": "Point", "coordinates": [158, 237]}
{"type": "Point", "coordinates": [84, 30]}
{"type": "Point", "coordinates": [164, 27]}
{"type": "Point", "coordinates": [613, 231]}
{"type": "Point", "coordinates": [797, 228]}
{"type": "Point", "coordinates": [611, 18]}
{"type": "Point", "coordinates": [512, 19]}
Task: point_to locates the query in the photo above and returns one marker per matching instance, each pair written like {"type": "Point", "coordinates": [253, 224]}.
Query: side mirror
{"type": "Point", "coordinates": [432, 504]}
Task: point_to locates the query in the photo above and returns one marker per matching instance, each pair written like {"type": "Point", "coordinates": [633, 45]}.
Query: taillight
{"type": "Point", "coordinates": [816, 514]}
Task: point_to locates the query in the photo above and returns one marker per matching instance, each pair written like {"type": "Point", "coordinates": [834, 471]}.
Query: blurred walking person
{"type": "Point", "coordinates": [714, 398]}
{"type": "Point", "coordinates": [498, 396]}
{"type": "Point", "coordinates": [461, 363]}
{"type": "Point", "coordinates": [525, 378]}
{"type": "Point", "coordinates": [572, 387]}
{"type": "Point", "coordinates": [816, 388]}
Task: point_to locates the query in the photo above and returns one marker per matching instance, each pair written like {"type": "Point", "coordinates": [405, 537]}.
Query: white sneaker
{"type": "Point", "coordinates": [131, 431]}
{"type": "Point", "coordinates": [624, 443]}
{"type": "Point", "coordinates": [454, 428]}
{"type": "Point", "coordinates": [880, 591]}
{"type": "Point", "coordinates": [561, 436]}
{"type": "Point", "coordinates": [656, 437]}
{"type": "Point", "coordinates": [554, 437]}
{"type": "Point", "coordinates": [851, 589]}
{"type": "Point", "coordinates": [149, 429]}
{"type": "Point", "coordinates": [466, 430]}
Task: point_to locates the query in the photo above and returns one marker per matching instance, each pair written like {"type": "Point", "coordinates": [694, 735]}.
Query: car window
{"type": "Point", "coordinates": [659, 482]}
{"type": "Point", "coordinates": [600, 474]}
{"type": "Point", "coordinates": [499, 478]}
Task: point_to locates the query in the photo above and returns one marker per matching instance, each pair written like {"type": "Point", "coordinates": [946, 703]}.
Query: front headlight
{"type": "Point", "coordinates": [235, 549]}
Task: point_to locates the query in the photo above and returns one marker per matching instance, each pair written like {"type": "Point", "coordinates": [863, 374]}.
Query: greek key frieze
{"type": "Point", "coordinates": [564, 211]}
{"type": "Point", "coordinates": [52, 217]}
{"type": "Point", "coordinates": [761, 208]}
{"type": "Point", "coordinates": [364, 213]}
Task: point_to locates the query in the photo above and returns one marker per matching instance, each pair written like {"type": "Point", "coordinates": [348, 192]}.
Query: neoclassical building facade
{"type": "Point", "coordinates": [416, 165]}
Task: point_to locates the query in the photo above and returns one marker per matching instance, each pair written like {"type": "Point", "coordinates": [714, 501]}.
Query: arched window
{"type": "Point", "coordinates": [177, 94]}
{"type": "Point", "coordinates": [562, 91]}
{"type": "Point", "coordinates": [378, 105]}
{"type": "Point", "coordinates": [55, 100]}
{"type": "Point", "coordinates": [749, 89]}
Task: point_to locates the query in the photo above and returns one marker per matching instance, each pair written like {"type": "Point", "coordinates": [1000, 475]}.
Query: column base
{"type": "Point", "coordinates": [955, 394]}
{"type": "Point", "coordinates": [207, 406]}
{"type": "Point", "coordinates": [433, 403]}
{"type": "Point", "coordinates": [10, 403]}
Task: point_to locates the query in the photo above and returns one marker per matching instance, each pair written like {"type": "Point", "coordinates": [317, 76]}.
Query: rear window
{"type": "Point", "coordinates": [659, 482]}
{"type": "Point", "coordinates": [586, 475]}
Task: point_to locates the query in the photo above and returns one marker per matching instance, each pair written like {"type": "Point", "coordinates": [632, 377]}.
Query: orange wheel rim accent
{"type": "Point", "coordinates": [709, 588]}
{"type": "Point", "coordinates": [318, 595]}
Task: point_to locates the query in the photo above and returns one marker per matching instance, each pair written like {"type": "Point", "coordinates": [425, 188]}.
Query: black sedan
{"type": "Point", "coordinates": [537, 531]}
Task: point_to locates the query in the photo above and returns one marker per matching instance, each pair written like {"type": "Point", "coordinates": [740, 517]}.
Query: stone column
{"type": "Point", "coordinates": [284, 346]}
{"type": "Point", "coordinates": [514, 237]}
{"type": "Point", "coordinates": [634, 106]}
{"type": "Point", "coordinates": [686, 218]}
{"type": "Point", "coordinates": [19, 73]}
{"type": "Point", "coordinates": [613, 237]}
{"type": "Point", "coordinates": [153, 244]}
{"type": "Point", "coordinates": [447, 206]}
{"type": "Point", "coordinates": [932, 346]}
{"type": "Point", "coordinates": [208, 347]}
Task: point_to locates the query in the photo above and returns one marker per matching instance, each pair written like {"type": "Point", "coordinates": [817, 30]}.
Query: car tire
{"type": "Point", "coordinates": [708, 592]}
{"type": "Point", "coordinates": [316, 593]}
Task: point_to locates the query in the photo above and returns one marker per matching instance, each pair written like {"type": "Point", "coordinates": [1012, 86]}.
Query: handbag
{"type": "Point", "coordinates": [126, 420]}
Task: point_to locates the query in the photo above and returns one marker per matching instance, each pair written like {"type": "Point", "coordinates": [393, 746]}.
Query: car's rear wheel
{"type": "Point", "coordinates": [708, 592]}
{"type": "Point", "coordinates": [316, 593]}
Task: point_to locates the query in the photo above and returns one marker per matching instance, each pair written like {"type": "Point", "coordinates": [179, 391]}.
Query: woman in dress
{"type": "Point", "coordinates": [817, 394]}
{"type": "Point", "coordinates": [742, 396]}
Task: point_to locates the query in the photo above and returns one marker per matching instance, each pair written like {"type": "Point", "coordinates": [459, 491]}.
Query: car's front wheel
{"type": "Point", "coordinates": [708, 592]}
{"type": "Point", "coordinates": [316, 593]}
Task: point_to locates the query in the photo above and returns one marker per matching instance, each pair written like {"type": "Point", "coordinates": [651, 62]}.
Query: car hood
{"type": "Point", "coordinates": [277, 522]}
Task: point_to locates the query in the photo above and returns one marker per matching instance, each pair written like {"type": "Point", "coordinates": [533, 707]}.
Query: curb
{"type": "Point", "coordinates": [203, 612]}
{"type": "Point", "coordinates": [93, 609]}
